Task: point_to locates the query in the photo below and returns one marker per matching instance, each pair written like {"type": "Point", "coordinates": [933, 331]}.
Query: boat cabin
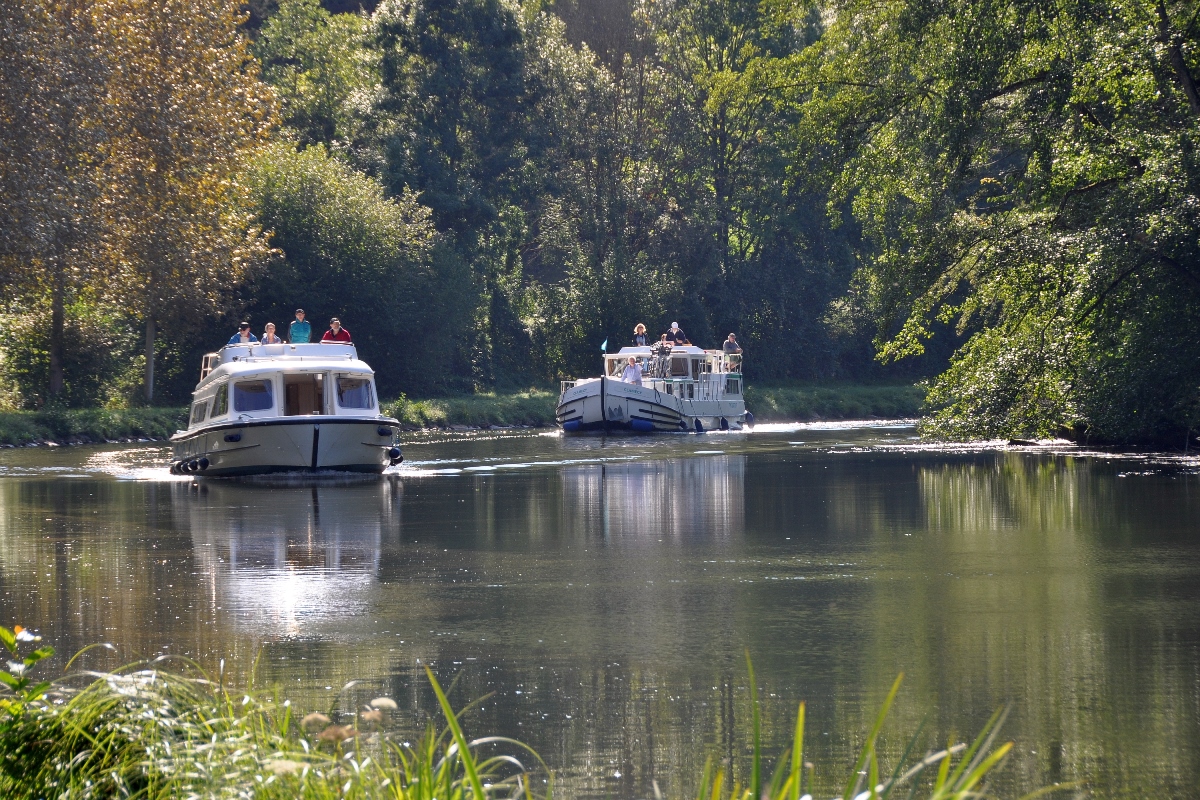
{"type": "Point", "coordinates": [688, 372]}
{"type": "Point", "coordinates": [252, 381]}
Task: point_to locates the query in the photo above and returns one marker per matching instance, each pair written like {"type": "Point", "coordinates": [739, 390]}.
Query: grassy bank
{"type": "Point", "coordinates": [84, 425]}
{"type": "Point", "coordinates": [162, 730]}
{"type": "Point", "coordinates": [534, 408]}
{"type": "Point", "coordinates": [769, 404]}
{"type": "Point", "coordinates": [804, 403]}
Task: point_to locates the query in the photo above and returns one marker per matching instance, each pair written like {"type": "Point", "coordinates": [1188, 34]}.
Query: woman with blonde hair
{"type": "Point", "coordinates": [639, 336]}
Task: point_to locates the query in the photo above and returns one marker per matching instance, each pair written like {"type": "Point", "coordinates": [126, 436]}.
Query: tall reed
{"type": "Point", "coordinates": [165, 729]}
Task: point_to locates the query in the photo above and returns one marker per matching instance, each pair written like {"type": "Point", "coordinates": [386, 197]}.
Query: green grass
{"type": "Point", "coordinates": [803, 403]}
{"type": "Point", "coordinates": [163, 730]}
{"type": "Point", "coordinates": [769, 404]}
{"type": "Point", "coordinates": [533, 407]}
{"type": "Point", "coordinates": [89, 424]}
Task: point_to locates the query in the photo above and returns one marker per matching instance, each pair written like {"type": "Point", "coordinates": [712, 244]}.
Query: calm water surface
{"type": "Point", "coordinates": [607, 589]}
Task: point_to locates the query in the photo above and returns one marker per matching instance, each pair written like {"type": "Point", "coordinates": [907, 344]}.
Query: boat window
{"type": "Point", "coordinates": [253, 396]}
{"type": "Point", "coordinates": [199, 411]}
{"type": "Point", "coordinates": [354, 392]}
{"type": "Point", "coordinates": [303, 394]}
{"type": "Point", "coordinates": [221, 403]}
{"type": "Point", "coordinates": [679, 367]}
{"type": "Point", "coordinates": [732, 386]}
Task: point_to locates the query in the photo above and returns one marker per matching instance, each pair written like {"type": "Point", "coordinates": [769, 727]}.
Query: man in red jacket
{"type": "Point", "coordinates": [336, 332]}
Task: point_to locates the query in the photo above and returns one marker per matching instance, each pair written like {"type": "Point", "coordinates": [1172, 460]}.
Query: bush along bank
{"type": "Point", "coordinates": [89, 425]}
{"type": "Point", "coordinates": [156, 731]}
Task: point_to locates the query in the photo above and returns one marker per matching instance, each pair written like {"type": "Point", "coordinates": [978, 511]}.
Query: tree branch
{"type": "Point", "coordinates": [1182, 74]}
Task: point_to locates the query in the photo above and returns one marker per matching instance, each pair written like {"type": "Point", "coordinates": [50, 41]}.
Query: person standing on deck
{"type": "Point", "coordinates": [676, 335]}
{"type": "Point", "coordinates": [336, 333]}
{"type": "Point", "coordinates": [299, 332]}
{"type": "Point", "coordinates": [243, 336]}
{"type": "Point", "coordinates": [632, 373]}
{"type": "Point", "coordinates": [269, 336]}
{"type": "Point", "coordinates": [639, 336]}
{"type": "Point", "coordinates": [731, 346]}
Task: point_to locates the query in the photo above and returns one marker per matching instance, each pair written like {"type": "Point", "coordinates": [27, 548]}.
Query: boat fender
{"type": "Point", "coordinates": [749, 420]}
{"type": "Point", "coordinates": [699, 426]}
{"type": "Point", "coordinates": [233, 437]}
{"type": "Point", "coordinates": [682, 425]}
{"type": "Point", "coordinates": [174, 467]}
{"type": "Point", "coordinates": [394, 455]}
{"type": "Point", "coordinates": [724, 424]}
{"type": "Point", "coordinates": [193, 465]}
{"type": "Point", "coordinates": [383, 430]}
{"type": "Point", "coordinates": [572, 425]}
{"type": "Point", "coordinates": [203, 464]}
{"type": "Point", "coordinates": [642, 425]}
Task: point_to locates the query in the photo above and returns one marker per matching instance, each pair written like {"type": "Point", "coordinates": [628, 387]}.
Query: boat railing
{"type": "Point", "coordinates": [564, 386]}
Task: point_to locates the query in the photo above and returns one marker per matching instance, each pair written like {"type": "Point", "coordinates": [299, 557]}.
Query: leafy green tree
{"type": "Point", "coordinates": [1027, 170]}
{"type": "Point", "coordinates": [322, 70]}
{"type": "Point", "coordinates": [375, 262]}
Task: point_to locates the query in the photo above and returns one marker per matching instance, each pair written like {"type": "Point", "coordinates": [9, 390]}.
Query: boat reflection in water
{"type": "Point", "coordinates": [695, 498]}
{"type": "Point", "coordinates": [288, 560]}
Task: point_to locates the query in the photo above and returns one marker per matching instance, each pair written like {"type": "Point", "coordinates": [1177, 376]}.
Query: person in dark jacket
{"type": "Point", "coordinates": [639, 336]}
{"type": "Point", "coordinates": [731, 346]}
{"type": "Point", "coordinates": [676, 334]}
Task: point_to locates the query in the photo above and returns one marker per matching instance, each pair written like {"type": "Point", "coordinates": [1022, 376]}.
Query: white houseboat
{"type": "Point", "coordinates": [285, 408]}
{"type": "Point", "coordinates": [683, 388]}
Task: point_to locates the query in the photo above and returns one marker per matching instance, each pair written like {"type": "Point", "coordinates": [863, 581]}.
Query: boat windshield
{"type": "Point", "coordinates": [253, 396]}
{"type": "Point", "coordinates": [354, 392]}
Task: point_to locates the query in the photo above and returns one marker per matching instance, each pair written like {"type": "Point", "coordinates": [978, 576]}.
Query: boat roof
{"type": "Point", "coordinates": [677, 350]}
{"type": "Point", "coordinates": [257, 358]}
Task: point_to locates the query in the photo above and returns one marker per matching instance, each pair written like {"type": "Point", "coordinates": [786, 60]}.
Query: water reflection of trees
{"type": "Point", "coordinates": [618, 599]}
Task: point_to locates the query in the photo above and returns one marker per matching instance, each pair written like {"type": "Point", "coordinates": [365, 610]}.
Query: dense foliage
{"type": "Point", "coordinates": [1029, 170]}
{"type": "Point", "coordinates": [485, 190]}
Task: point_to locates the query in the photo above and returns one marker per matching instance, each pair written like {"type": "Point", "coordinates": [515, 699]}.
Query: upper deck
{"type": "Point", "coordinates": [255, 357]}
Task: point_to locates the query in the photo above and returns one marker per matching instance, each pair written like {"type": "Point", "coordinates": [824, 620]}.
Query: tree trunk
{"type": "Point", "coordinates": [149, 358]}
{"type": "Point", "coordinates": [57, 324]}
{"type": "Point", "coordinates": [1183, 75]}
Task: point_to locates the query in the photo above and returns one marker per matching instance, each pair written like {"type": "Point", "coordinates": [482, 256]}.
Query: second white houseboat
{"type": "Point", "coordinates": [285, 408]}
{"type": "Point", "coordinates": [683, 388]}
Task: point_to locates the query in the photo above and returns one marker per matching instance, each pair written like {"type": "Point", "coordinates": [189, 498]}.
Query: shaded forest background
{"type": "Point", "coordinates": [999, 196]}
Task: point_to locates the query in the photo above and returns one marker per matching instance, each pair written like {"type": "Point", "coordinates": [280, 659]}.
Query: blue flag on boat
{"type": "Point", "coordinates": [604, 347]}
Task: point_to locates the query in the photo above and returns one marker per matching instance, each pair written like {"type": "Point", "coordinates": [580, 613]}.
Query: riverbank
{"type": "Point", "coordinates": [533, 408]}
{"type": "Point", "coordinates": [88, 425]}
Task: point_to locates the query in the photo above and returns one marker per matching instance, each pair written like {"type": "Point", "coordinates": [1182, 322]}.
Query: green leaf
{"type": "Point", "coordinates": [9, 639]}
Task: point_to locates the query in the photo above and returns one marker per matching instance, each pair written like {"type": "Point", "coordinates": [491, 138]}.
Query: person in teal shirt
{"type": "Point", "coordinates": [299, 331]}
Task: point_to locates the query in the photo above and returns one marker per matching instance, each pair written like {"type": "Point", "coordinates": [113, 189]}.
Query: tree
{"type": "Point", "coordinates": [375, 262]}
{"type": "Point", "coordinates": [322, 70]}
{"type": "Point", "coordinates": [190, 109]}
{"type": "Point", "coordinates": [54, 68]}
{"type": "Point", "coordinates": [1028, 170]}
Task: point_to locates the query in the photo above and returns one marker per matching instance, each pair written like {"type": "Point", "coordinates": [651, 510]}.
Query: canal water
{"type": "Point", "coordinates": [607, 590]}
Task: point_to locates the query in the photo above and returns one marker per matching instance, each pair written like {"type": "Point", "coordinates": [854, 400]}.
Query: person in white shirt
{"type": "Point", "coordinates": [632, 373]}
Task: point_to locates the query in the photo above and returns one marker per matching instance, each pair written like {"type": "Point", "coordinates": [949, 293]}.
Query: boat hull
{"type": "Point", "coordinates": [604, 404]}
{"type": "Point", "coordinates": [257, 447]}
